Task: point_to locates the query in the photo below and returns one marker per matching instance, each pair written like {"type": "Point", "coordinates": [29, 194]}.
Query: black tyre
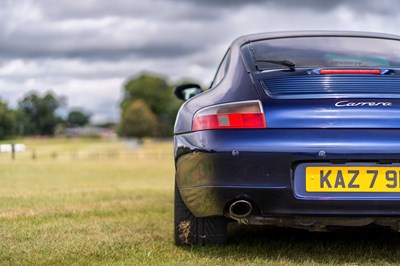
{"type": "Point", "coordinates": [194, 231]}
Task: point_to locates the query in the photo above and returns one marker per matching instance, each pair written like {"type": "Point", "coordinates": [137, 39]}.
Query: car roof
{"type": "Point", "coordinates": [287, 34]}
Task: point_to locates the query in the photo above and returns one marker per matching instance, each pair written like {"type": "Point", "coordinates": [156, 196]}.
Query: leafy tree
{"type": "Point", "coordinates": [151, 89]}
{"type": "Point", "coordinates": [137, 120]}
{"type": "Point", "coordinates": [77, 117]}
{"type": "Point", "coordinates": [8, 121]}
{"type": "Point", "coordinates": [38, 114]}
{"type": "Point", "coordinates": [158, 95]}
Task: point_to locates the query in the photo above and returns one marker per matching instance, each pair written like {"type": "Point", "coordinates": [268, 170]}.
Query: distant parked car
{"type": "Point", "coordinates": [298, 129]}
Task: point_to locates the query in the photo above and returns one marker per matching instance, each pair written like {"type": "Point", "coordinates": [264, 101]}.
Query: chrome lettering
{"type": "Point", "coordinates": [354, 104]}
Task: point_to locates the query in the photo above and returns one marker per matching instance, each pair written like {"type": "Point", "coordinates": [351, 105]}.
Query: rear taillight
{"type": "Point", "coordinates": [248, 114]}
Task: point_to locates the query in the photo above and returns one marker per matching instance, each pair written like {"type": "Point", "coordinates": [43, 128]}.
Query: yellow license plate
{"type": "Point", "coordinates": [352, 179]}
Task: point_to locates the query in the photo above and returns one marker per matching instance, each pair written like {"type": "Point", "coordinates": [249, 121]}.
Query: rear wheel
{"type": "Point", "coordinates": [195, 231]}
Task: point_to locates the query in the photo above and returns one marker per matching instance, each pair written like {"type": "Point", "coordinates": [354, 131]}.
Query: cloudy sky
{"type": "Point", "coordinates": [87, 49]}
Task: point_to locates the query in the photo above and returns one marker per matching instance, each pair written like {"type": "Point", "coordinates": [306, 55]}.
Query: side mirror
{"type": "Point", "coordinates": [187, 91]}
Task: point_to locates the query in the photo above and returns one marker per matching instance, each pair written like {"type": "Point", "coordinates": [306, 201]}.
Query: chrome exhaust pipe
{"type": "Point", "coordinates": [240, 209]}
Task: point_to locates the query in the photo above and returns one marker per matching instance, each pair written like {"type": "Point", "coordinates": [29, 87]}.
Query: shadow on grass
{"type": "Point", "coordinates": [247, 243]}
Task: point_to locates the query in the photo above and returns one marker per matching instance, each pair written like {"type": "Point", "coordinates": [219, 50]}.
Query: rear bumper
{"type": "Point", "coordinates": [213, 168]}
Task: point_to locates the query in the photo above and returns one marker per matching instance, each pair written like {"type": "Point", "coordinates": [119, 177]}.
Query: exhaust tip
{"type": "Point", "coordinates": [240, 209]}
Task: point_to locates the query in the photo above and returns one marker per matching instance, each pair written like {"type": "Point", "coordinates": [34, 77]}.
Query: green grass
{"type": "Point", "coordinates": [97, 209]}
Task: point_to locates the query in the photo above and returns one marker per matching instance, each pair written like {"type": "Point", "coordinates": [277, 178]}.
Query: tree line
{"type": "Point", "coordinates": [37, 115]}
{"type": "Point", "coordinates": [148, 109]}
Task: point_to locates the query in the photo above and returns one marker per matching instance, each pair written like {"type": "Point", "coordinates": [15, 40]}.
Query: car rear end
{"type": "Point", "coordinates": [321, 150]}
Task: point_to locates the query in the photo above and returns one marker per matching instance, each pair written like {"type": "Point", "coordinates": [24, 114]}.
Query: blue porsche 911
{"type": "Point", "coordinates": [298, 129]}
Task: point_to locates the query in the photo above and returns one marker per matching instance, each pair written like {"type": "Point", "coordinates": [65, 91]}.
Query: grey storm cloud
{"type": "Point", "coordinates": [170, 28]}
{"type": "Point", "coordinates": [103, 29]}
{"type": "Point", "coordinates": [364, 6]}
{"type": "Point", "coordinates": [87, 49]}
{"type": "Point", "coordinates": [57, 48]}
{"type": "Point", "coordinates": [155, 9]}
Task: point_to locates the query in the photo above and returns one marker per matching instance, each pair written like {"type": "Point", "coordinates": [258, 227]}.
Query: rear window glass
{"type": "Point", "coordinates": [315, 52]}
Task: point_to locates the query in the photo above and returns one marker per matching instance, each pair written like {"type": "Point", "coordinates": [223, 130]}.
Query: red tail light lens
{"type": "Point", "coordinates": [350, 71]}
{"type": "Point", "coordinates": [248, 114]}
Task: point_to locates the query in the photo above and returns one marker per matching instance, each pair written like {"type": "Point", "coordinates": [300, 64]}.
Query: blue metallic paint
{"type": "Point", "coordinates": [214, 167]}
{"type": "Point", "coordinates": [236, 86]}
{"type": "Point", "coordinates": [209, 175]}
{"type": "Point", "coordinates": [323, 113]}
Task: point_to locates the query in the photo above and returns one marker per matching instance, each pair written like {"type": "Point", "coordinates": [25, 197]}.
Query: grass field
{"type": "Point", "coordinates": [102, 203]}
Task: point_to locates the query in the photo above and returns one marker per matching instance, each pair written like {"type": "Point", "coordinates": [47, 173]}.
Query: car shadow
{"type": "Point", "coordinates": [281, 245]}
